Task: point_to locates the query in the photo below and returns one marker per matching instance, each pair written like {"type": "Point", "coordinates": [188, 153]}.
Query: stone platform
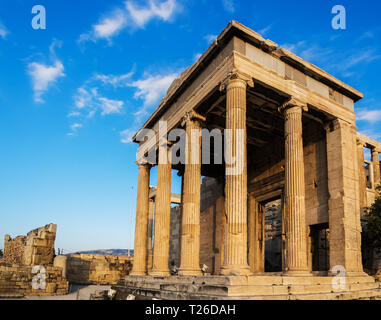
{"type": "Point", "coordinates": [262, 287]}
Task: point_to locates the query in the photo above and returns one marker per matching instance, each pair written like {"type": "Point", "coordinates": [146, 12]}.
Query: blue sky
{"type": "Point", "coordinates": [72, 95]}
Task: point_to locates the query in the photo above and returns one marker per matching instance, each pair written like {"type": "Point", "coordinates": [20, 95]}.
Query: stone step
{"type": "Point", "coordinates": [252, 287]}
{"type": "Point", "coordinates": [374, 294]}
{"type": "Point", "coordinates": [11, 296]}
{"type": "Point", "coordinates": [355, 295]}
{"type": "Point", "coordinates": [249, 280]}
{"type": "Point", "coordinates": [263, 290]}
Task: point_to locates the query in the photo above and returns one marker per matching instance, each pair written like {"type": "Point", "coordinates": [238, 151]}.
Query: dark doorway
{"type": "Point", "coordinates": [273, 236]}
{"type": "Point", "coordinates": [319, 234]}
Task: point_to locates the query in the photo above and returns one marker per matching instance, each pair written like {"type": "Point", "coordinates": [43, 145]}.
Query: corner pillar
{"type": "Point", "coordinates": [376, 167]}
{"type": "Point", "coordinates": [362, 178]}
{"type": "Point", "coordinates": [344, 202]}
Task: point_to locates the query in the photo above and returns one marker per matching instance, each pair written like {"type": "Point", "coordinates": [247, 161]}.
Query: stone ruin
{"type": "Point", "coordinates": [28, 268]}
{"type": "Point", "coordinates": [94, 268]}
{"type": "Point", "coordinates": [24, 253]}
{"type": "Point", "coordinates": [36, 248]}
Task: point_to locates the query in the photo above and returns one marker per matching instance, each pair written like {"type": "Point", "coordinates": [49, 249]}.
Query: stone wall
{"type": "Point", "coordinates": [37, 248]}
{"type": "Point", "coordinates": [175, 237]}
{"type": "Point", "coordinates": [14, 249]}
{"type": "Point", "coordinates": [211, 224]}
{"type": "Point", "coordinates": [31, 257]}
{"type": "Point", "coordinates": [17, 279]}
{"type": "Point", "coordinates": [96, 269]}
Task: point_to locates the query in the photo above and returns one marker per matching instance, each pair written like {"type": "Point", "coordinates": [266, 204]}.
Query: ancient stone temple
{"type": "Point", "coordinates": [292, 168]}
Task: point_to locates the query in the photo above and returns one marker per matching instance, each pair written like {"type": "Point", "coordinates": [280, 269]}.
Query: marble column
{"type": "Point", "coordinates": [235, 247]}
{"type": "Point", "coordinates": [190, 228]}
{"type": "Point", "coordinates": [141, 224]}
{"type": "Point", "coordinates": [150, 234]}
{"type": "Point", "coordinates": [294, 196]}
{"type": "Point", "coordinates": [162, 214]}
{"type": "Point", "coordinates": [376, 167]}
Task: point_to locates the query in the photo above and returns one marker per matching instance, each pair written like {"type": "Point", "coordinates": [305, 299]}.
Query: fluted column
{"type": "Point", "coordinates": [376, 167]}
{"type": "Point", "coordinates": [235, 248]}
{"type": "Point", "coordinates": [141, 224]}
{"type": "Point", "coordinates": [162, 214]}
{"type": "Point", "coordinates": [150, 235]}
{"type": "Point", "coordinates": [190, 229]}
{"type": "Point", "coordinates": [294, 197]}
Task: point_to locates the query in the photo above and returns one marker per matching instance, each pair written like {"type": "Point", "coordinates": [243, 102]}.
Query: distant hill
{"type": "Point", "coordinates": [109, 252]}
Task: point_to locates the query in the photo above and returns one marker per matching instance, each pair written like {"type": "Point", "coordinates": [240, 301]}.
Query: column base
{"type": "Point", "coordinates": [189, 272]}
{"type": "Point", "coordinates": [235, 270]}
{"type": "Point", "coordinates": [349, 274]}
{"type": "Point", "coordinates": [160, 273]}
{"type": "Point", "coordinates": [297, 273]}
{"type": "Point", "coordinates": [138, 273]}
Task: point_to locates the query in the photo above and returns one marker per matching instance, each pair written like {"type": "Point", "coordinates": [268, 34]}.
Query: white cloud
{"type": "Point", "coordinates": [74, 114]}
{"type": "Point", "coordinates": [114, 80]}
{"type": "Point", "coordinates": [152, 88]}
{"type": "Point", "coordinates": [76, 126]}
{"type": "Point", "coordinates": [293, 47]}
{"type": "Point", "coordinates": [315, 53]}
{"type": "Point", "coordinates": [228, 5]}
{"type": "Point", "coordinates": [155, 9]}
{"type": "Point", "coordinates": [371, 116]}
{"type": "Point", "coordinates": [89, 100]}
{"type": "Point", "coordinates": [130, 16]}
{"type": "Point", "coordinates": [265, 30]}
{"type": "Point", "coordinates": [3, 31]}
{"type": "Point", "coordinates": [85, 98]}
{"type": "Point", "coordinates": [197, 56]}
{"type": "Point", "coordinates": [361, 57]}
{"type": "Point", "coordinates": [127, 135]}
{"type": "Point", "coordinates": [109, 106]}
{"type": "Point", "coordinates": [43, 76]}
{"type": "Point", "coordinates": [110, 26]}
{"type": "Point", "coordinates": [210, 38]}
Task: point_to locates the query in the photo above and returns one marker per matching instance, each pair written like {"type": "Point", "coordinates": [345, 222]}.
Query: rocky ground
{"type": "Point", "coordinates": [77, 292]}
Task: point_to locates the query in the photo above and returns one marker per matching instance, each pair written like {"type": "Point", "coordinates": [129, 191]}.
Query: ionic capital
{"type": "Point", "coordinates": [236, 76]}
{"type": "Point", "coordinates": [192, 116]}
{"type": "Point", "coordinates": [164, 142]}
{"type": "Point", "coordinates": [293, 103]}
{"type": "Point", "coordinates": [144, 163]}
